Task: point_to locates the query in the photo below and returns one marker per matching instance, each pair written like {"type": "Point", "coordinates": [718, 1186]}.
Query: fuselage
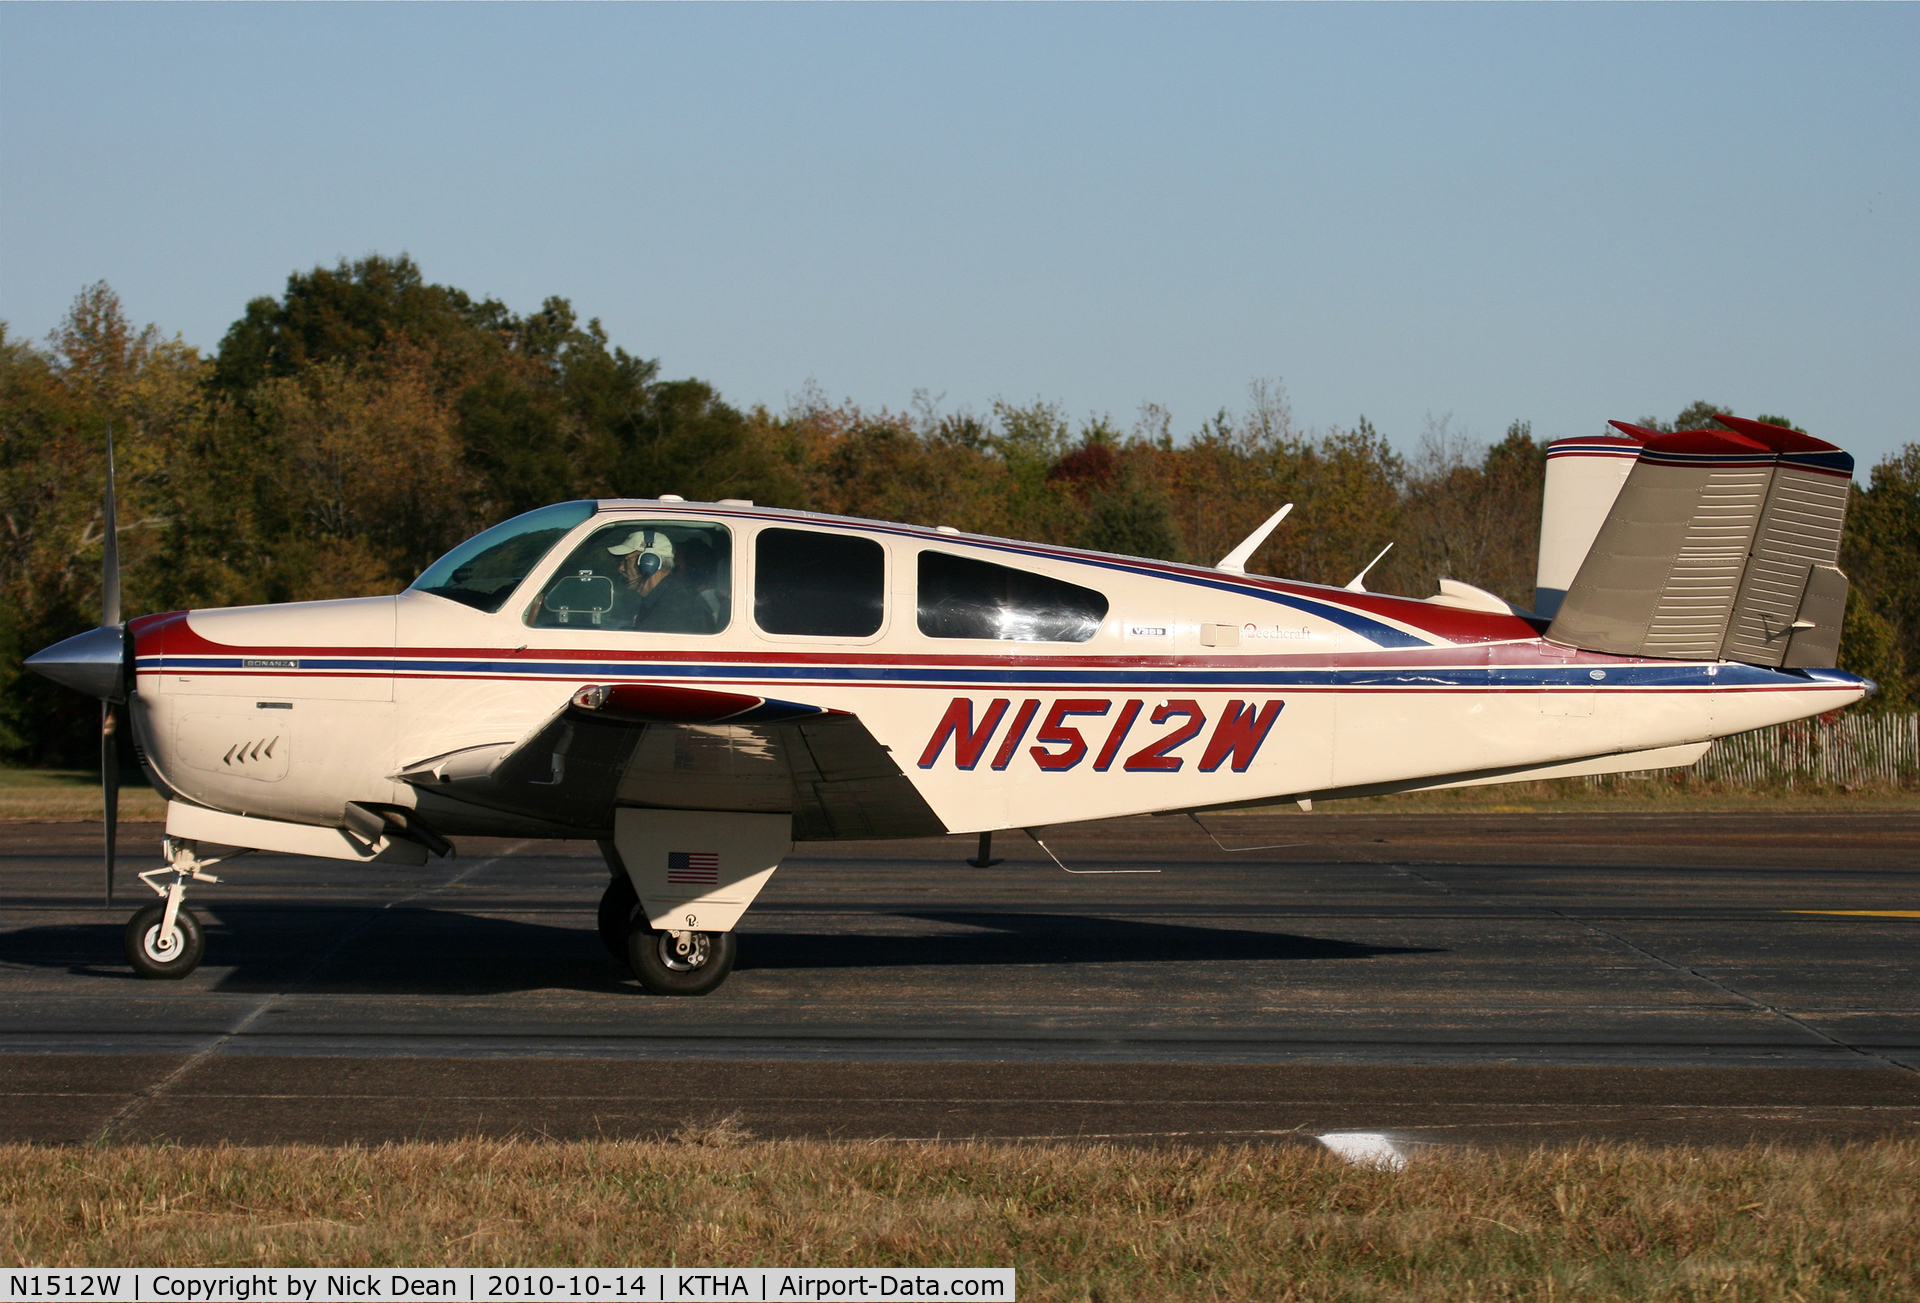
{"type": "Point", "coordinates": [1180, 687]}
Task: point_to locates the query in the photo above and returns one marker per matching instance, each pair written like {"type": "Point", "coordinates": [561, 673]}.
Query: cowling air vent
{"type": "Point", "coordinates": [234, 745]}
{"type": "Point", "coordinates": [241, 754]}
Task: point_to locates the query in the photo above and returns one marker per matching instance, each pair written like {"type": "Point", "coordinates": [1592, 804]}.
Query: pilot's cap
{"type": "Point", "coordinates": [648, 543]}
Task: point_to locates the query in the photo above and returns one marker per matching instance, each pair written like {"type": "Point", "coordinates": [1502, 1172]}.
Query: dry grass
{"type": "Point", "coordinates": [1628, 793]}
{"type": "Point", "coordinates": [1079, 1222]}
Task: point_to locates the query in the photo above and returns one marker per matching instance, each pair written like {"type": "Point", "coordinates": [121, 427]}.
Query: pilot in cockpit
{"type": "Point", "coordinates": [656, 596]}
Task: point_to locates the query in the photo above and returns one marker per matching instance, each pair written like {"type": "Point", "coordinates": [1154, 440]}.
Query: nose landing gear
{"type": "Point", "coordinates": [163, 940]}
{"type": "Point", "coordinates": [163, 948]}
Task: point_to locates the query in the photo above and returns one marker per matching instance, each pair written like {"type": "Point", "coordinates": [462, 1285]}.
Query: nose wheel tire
{"type": "Point", "coordinates": [168, 957]}
{"type": "Point", "coordinates": [618, 904]}
{"type": "Point", "coordinates": [679, 963]}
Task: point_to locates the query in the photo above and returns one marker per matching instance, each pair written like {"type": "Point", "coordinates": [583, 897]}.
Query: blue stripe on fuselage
{"type": "Point", "coordinates": [1678, 675]}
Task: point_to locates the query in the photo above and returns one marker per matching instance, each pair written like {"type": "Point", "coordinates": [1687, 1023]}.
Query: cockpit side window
{"type": "Point", "coordinates": [650, 576]}
{"type": "Point", "coordinates": [818, 585]}
{"type": "Point", "coordinates": [483, 571]}
{"type": "Point", "coordinates": [960, 597]}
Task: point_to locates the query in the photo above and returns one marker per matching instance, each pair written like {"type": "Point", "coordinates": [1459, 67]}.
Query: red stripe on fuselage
{"type": "Point", "coordinates": [1533, 652]}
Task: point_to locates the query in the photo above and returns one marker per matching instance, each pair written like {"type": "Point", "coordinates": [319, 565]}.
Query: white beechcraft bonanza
{"type": "Point", "coordinates": [698, 686]}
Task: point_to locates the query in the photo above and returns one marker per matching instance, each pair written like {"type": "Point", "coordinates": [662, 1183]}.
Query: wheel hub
{"type": "Point", "coordinates": [161, 949]}
{"type": "Point", "coordinates": [684, 951]}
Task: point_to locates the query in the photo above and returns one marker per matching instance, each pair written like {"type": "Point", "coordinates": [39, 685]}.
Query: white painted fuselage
{"type": "Point", "coordinates": [1200, 688]}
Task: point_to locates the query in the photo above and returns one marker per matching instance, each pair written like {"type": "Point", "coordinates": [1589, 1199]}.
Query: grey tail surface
{"type": "Point", "coordinates": [1722, 545]}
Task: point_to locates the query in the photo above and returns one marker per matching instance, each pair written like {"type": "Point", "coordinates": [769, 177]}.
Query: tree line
{"type": "Point", "coordinates": [347, 432]}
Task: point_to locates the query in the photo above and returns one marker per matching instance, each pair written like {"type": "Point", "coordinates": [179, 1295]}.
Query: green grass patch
{"type": "Point", "coordinates": [70, 795]}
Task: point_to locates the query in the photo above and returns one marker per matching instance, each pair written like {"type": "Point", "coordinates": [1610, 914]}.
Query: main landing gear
{"type": "Point", "coordinates": [666, 962]}
{"type": "Point", "coordinates": [680, 963]}
{"type": "Point", "coordinates": [163, 940]}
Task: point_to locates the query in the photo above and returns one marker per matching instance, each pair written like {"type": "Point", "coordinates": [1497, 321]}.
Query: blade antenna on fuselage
{"type": "Point", "coordinates": [1235, 562]}
{"type": "Point", "coordinates": [1354, 585]}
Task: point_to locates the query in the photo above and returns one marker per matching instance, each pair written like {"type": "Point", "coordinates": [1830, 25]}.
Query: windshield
{"type": "Point", "coordinates": [483, 571]}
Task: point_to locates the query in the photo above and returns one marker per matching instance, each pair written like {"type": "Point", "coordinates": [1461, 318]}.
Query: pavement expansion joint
{"type": "Point", "coordinates": [142, 1099]}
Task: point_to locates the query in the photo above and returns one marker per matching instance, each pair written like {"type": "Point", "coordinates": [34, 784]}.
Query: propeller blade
{"type": "Point", "coordinates": [110, 782]}
{"type": "Point", "coordinates": [110, 551]}
{"type": "Point", "coordinates": [109, 722]}
{"type": "Point", "coordinates": [97, 662]}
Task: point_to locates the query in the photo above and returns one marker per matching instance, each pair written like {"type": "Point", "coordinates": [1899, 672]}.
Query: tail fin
{"type": "Point", "coordinates": [1719, 545]}
{"type": "Point", "coordinates": [1583, 479]}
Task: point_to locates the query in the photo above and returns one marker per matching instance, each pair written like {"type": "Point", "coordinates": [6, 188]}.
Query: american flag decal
{"type": "Point", "coordinates": [693, 868]}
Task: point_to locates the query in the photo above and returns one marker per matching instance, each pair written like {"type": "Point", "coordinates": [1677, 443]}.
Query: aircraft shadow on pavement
{"type": "Point", "coordinates": [416, 951]}
{"type": "Point", "coordinates": [1011, 938]}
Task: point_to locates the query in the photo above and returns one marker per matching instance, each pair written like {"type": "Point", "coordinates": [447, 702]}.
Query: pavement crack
{"type": "Point", "coordinates": [146, 1096]}
{"type": "Point", "coordinates": [1732, 993]}
{"type": "Point", "coordinates": [1407, 870]}
{"type": "Point", "coordinates": [1736, 994]}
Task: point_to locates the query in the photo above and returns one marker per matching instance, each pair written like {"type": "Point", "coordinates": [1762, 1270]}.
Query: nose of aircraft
{"type": "Point", "coordinates": [94, 662]}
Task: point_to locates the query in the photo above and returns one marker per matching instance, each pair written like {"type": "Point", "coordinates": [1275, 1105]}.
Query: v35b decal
{"type": "Point", "coordinates": [1059, 744]}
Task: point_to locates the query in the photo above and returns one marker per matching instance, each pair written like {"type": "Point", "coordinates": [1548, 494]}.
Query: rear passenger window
{"type": "Point", "coordinates": [964, 598]}
{"type": "Point", "coordinates": [818, 585]}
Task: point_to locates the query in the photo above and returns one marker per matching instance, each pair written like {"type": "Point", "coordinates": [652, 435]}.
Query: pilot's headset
{"type": "Point", "coordinates": [654, 547]}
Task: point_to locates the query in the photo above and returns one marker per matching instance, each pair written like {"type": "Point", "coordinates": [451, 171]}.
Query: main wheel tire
{"type": "Point", "coordinates": [618, 904]}
{"type": "Point", "coordinates": [167, 958]}
{"type": "Point", "coordinates": [694, 963]}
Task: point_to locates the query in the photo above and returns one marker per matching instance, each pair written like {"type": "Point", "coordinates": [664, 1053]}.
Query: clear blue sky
{"type": "Point", "coordinates": [1556, 213]}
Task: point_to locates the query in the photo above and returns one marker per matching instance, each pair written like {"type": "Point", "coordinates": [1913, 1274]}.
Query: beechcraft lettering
{"type": "Point", "coordinates": [697, 687]}
{"type": "Point", "coordinates": [1060, 745]}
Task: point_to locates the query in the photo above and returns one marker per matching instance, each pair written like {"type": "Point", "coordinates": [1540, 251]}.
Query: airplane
{"type": "Point", "coordinates": [699, 686]}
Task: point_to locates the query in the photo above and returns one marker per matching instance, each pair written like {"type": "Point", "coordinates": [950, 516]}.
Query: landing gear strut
{"type": "Point", "coordinates": [163, 940]}
{"type": "Point", "coordinates": [618, 905]}
{"type": "Point", "coordinates": [667, 963]}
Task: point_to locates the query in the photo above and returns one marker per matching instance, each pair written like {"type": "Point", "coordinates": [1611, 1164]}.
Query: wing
{"type": "Point", "coordinates": [667, 747]}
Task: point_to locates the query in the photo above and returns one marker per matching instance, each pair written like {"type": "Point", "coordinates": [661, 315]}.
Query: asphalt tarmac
{"type": "Point", "coordinates": [1440, 978]}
